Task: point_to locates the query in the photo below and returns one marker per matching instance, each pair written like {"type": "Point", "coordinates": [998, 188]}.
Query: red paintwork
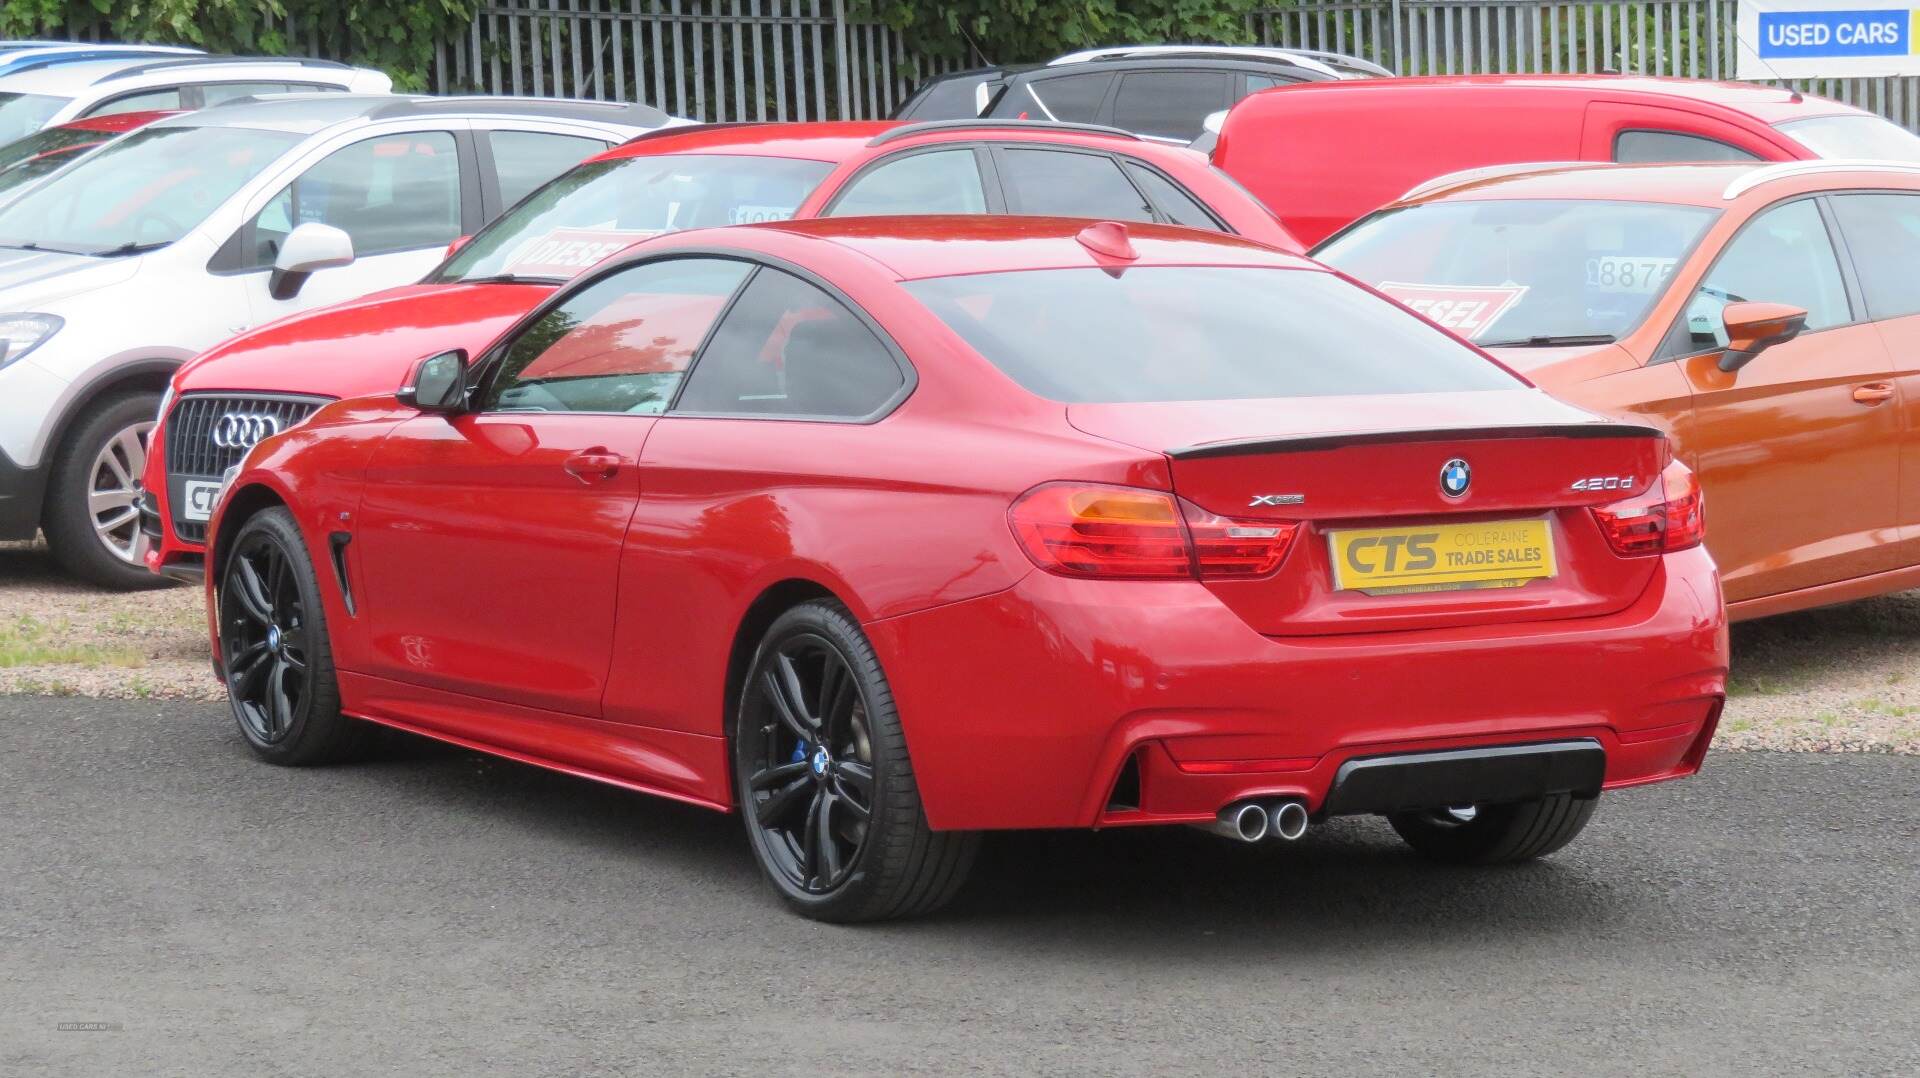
{"type": "Point", "coordinates": [367, 346]}
{"type": "Point", "coordinates": [120, 122]}
{"type": "Point", "coordinates": [1313, 151]}
{"type": "Point", "coordinates": [504, 605]}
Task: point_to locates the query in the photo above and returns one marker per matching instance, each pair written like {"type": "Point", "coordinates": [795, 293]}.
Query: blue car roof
{"type": "Point", "coordinates": [30, 56]}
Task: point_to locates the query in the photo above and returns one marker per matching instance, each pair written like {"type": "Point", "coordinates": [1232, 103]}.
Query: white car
{"type": "Point", "coordinates": [141, 254]}
{"type": "Point", "coordinates": [58, 90]}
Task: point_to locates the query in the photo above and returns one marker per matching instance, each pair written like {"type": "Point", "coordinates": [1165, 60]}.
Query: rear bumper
{"type": "Point", "coordinates": [22, 491]}
{"type": "Point", "coordinates": [1069, 703]}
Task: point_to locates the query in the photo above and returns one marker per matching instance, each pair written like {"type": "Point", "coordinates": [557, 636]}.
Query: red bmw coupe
{"type": "Point", "coordinates": [885, 532]}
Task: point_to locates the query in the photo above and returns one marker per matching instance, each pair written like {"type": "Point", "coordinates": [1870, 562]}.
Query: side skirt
{"type": "Point", "coordinates": [690, 768]}
{"type": "Point", "coordinates": [1840, 591]}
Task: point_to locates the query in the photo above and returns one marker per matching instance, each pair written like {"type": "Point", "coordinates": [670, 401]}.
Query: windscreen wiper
{"type": "Point", "coordinates": [131, 249]}
{"type": "Point", "coordinates": [1549, 341]}
{"type": "Point", "coordinates": [505, 278]}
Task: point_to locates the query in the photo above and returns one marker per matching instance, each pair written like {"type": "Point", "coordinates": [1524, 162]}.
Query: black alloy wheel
{"type": "Point", "coordinates": [274, 648]}
{"type": "Point", "coordinates": [264, 638]}
{"type": "Point", "coordinates": [824, 783]}
{"type": "Point", "coordinates": [813, 783]}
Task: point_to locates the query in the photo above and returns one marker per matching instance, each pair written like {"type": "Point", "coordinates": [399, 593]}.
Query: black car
{"type": "Point", "coordinates": [1163, 92]}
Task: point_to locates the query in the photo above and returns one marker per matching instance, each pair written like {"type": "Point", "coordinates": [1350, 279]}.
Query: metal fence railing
{"type": "Point", "coordinates": [714, 60]}
{"type": "Point", "coordinates": [1692, 38]}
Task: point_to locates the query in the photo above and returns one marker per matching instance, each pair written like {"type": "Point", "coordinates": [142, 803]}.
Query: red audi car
{"type": "Point", "coordinates": [885, 532]}
{"type": "Point", "coordinates": [224, 401]}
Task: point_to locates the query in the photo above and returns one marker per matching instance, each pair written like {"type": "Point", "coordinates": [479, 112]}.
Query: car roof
{"type": "Point", "coordinates": [66, 80]}
{"type": "Point", "coordinates": [1766, 103]}
{"type": "Point", "coordinates": [918, 247]}
{"type": "Point", "coordinates": [58, 54]}
{"type": "Point", "coordinates": [836, 141]}
{"type": "Point", "coordinates": [309, 113]}
{"type": "Point", "coordinates": [1707, 184]}
{"type": "Point", "coordinates": [827, 140]}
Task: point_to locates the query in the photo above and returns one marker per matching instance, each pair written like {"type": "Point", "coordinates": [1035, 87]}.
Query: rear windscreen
{"type": "Point", "coordinates": [1181, 333]}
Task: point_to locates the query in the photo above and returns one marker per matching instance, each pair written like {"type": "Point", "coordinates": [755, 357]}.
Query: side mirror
{"type": "Point", "coordinates": [1752, 328]}
{"type": "Point", "coordinates": [1214, 122]}
{"type": "Point", "coordinates": [438, 383]}
{"type": "Point", "coordinates": [309, 247]}
{"type": "Point", "coordinates": [454, 247]}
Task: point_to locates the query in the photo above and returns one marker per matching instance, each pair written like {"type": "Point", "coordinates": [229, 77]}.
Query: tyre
{"type": "Point", "coordinates": [274, 648]}
{"type": "Point", "coordinates": [1495, 834]}
{"type": "Point", "coordinates": [824, 784]}
{"type": "Point", "coordinates": [93, 529]}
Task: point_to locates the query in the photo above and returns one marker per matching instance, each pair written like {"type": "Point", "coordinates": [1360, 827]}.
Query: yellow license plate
{"type": "Point", "coordinates": [1442, 557]}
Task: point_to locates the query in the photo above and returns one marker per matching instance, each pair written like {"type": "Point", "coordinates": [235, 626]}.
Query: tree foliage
{"type": "Point", "coordinates": [396, 36]}
{"type": "Point", "coordinates": [1016, 31]}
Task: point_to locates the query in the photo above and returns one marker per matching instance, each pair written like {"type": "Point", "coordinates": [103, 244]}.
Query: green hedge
{"type": "Point", "coordinates": [396, 36]}
{"type": "Point", "coordinates": [1016, 31]}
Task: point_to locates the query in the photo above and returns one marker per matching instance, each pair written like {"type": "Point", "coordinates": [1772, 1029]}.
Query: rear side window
{"type": "Point", "coordinates": [1173, 200]}
{"type": "Point", "coordinates": [621, 344]}
{"type": "Point", "coordinates": [942, 181]}
{"type": "Point", "coordinates": [1175, 333]}
{"type": "Point", "coordinates": [786, 348]}
{"type": "Point", "coordinates": [1883, 235]}
{"type": "Point", "coordinates": [1653, 147]}
{"type": "Point", "coordinates": [524, 160]}
{"type": "Point", "coordinates": [213, 93]}
{"type": "Point", "coordinates": [1061, 183]}
{"type": "Point", "coordinates": [1170, 104]}
{"type": "Point", "coordinates": [1074, 99]}
{"type": "Point", "coordinates": [168, 98]}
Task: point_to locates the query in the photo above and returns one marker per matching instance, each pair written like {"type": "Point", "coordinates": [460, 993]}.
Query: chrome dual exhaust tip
{"type": "Point", "coordinates": [1287, 820]}
{"type": "Point", "coordinates": [1245, 821]}
{"type": "Point", "coordinates": [1251, 821]}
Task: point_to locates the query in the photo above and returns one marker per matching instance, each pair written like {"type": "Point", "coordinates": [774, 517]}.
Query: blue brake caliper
{"type": "Point", "coordinates": [799, 752]}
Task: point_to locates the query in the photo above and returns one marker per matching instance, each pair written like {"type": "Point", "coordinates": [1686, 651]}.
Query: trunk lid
{"type": "Point", "coordinates": [1517, 544]}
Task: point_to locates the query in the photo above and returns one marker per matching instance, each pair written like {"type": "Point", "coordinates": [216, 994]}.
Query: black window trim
{"type": "Point", "coordinates": [487, 169]}
{"type": "Point", "coordinates": [1236, 84]}
{"type": "Point", "coordinates": [982, 163]}
{"type": "Point", "coordinates": [488, 366]}
{"type": "Point", "coordinates": [1614, 151]}
{"type": "Point", "coordinates": [1100, 112]}
{"type": "Point", "coordinates": [1223, 226]}
{"type": "Point", "coordinates": [1842, 257]}
{"type": "Point", "coordinates": [1839, 231]}
{"type": "Point", "coordinates": [181, 89]}
{"type": "Point", "coordinates": [986, 159]}
{"type": "Point", "coordinates": [226, 260]}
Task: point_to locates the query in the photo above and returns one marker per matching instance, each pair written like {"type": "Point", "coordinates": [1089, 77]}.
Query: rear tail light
{"type": "Point", "coordinates": [1091, 530]}
{"type": "Point", "coordinates": [1670, 516]}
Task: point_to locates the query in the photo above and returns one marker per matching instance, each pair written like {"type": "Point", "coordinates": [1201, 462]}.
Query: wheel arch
{"type": "Point", "coordinates": [241, 504]}
{"type": "Point", "coordinates": [141, 376]}
{"type": "Point", "coordinates": [773, 601]}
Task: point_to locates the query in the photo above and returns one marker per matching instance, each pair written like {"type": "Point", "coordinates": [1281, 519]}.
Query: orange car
{"type": "Point", "coordinates": [1767, 316]}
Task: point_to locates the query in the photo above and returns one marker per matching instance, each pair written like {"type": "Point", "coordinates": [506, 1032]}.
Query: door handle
{"type": "Point", "coordinates": [592, 464]}
{"type": "Point", "coordinates": [1873, 392]}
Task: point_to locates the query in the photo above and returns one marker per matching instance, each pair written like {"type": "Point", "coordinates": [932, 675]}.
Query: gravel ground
{"type": "Point", "coordinates": [1842, 679]}
{"type": "Point", "coordinates": [59, 637]}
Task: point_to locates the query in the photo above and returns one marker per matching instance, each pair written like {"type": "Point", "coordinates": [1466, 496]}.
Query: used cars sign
{"type": "Point", "coordinates": [1791, 39]}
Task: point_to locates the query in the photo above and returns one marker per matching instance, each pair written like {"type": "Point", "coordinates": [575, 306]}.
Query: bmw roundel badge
{"type": "Point", "coordinates": [1455, 477]}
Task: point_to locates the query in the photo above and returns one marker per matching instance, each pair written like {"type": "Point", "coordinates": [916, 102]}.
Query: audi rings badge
{"type": "Point", "coordinates": [243, 430]}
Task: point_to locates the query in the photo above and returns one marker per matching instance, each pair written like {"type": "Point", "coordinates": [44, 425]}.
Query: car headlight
{"type": "Point", "coordinates": [22, 333]}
